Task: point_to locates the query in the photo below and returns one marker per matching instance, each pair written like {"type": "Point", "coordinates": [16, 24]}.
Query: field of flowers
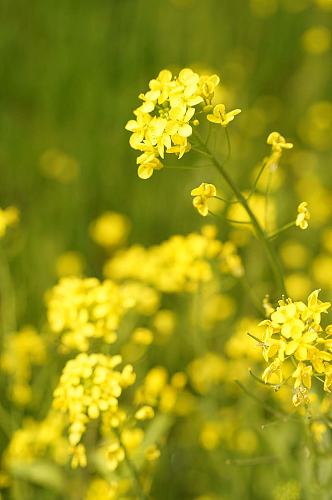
{"type": "Point", "coordinates": [166, 250]}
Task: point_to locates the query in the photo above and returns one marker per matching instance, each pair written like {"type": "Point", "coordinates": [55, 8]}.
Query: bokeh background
{"type": "Point", "coordinates": [71, 73]}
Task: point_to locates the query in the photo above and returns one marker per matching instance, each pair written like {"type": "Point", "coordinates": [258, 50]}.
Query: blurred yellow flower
{"type": "Point", "coordinates": [110, 229]}
{"type": "Point", "coordinates": [317, 40]}
{"type": "Point", "coordinates": [8, 217]}
{"type": "Point", "coordinates": [58, 165]}
{"type": "Point", "coordinates": [69, 264]}
{"type": "Point", "coordinates": [325, 4]}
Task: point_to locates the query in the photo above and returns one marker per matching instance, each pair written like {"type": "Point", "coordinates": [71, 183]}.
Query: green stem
{"type": "Point", "coordinates": [281, 230]}
{"type": "Point", "coordinates": [7, 296]}
{"type": "Point", "coordinates": [133, 471]}
{"type": "Point", "coordinates": [230, 202]}
{"type": "Point", "coordinates": [253, 189]}
{"type": "Point", "coordinates": [270, 251]}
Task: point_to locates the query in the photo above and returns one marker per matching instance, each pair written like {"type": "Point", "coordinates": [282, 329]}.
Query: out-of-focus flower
{"type": "Point", "coordinates": [110, 229]}
{"type": "Point", "coordinates": [8, 217]}
{"type": "Point", "coordinates": [69, 264]}
{"type": "Point", "coordinates": [58, 165]}
{"type": "Point", "coordinates": [317, 40]}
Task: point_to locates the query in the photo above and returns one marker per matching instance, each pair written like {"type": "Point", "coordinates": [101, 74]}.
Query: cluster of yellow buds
{"type": "Point", "coordinates": [303, 215]}
{"type": "Point", "coordinates": [8, 217]}
{"type": "Point", "coordinates": [180, 263]}
{"type": "Point", "coordinates": [294, 331]}
{"type": "Point", "coordinates": [36, 440]}
{"type": "Point", "coordinates": [278, 143]}
{"type": "Point", "coordinates": [162, 391]}
{"type": "Point", "coordinates": [167, 114]}
{"type": "Point", "coordinates": [201, 196]}
{"type": "Point", "coordinates": [82, 309]}
{"type": "Point", "coordinates": [89, 387]}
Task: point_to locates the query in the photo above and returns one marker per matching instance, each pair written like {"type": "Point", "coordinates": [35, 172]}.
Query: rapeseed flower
{"type": "Point", "coordinates": [220, 116]}
{"type": "Point", "coordinates": [201, 196]}
{"type": "Point", "coordinates": [164, 121]}
{"type": "Point", "coordinates": [294, 330]}
{"type": "Point", "coordinates": [303, 216]}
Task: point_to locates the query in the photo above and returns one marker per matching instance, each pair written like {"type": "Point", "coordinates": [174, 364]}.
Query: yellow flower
{"type": "Point", "coordinates": [201, 196]}
{"type": "Point", "coordinates": [163, 122]}
{"type": "Point", "coordinates": [146, 169]}
{"type": "Point", "coordinates": [278, 142]}
{"type": "Point", "coordinates": [303, 217]}
{"type": "Point", "coordinates": [81, 310]}
{"type": "Point", "coordinates": [302, 375]}
{"type": "Point", "coordinates": [207, 87]}
{"type": "Point", "coordinates": [328, 379]}
{"type": "Point", "coordinates": [273, 373]}
{"type": "Point", "coordinates": [219, 115]}
{"type": "Point", "coordinates": [89, 387]}
{"type": "Point", "coordinates": [294, 330]}
{"type": "Point", "coordinates": [144, 413]}
{"type": "Point", "coordinates": [115, 454]}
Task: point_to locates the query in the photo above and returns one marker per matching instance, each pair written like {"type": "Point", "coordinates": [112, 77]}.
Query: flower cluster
{"type": "Point", "coordinates": [201, 196]}
{"type": "Point", "coordinates": [90, 386]}
{"type": "Point", "coordinates": [164, 121]}
{"type": "Point", "coordinates": [178, 264]}
{"type": "Point", "coordinates": [22, 351]}
{"type": "Point", "coordinates": [82, 309]}
{"type": "Point", "coordinates": [36, 440]}
{"type": "Point", "coordinates": [303, 215]}
{"type": "Point", "coordinates": [294, 331]}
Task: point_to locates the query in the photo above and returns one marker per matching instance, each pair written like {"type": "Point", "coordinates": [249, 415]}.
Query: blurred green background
{"type": "Point", "coordinates": [71, 74]}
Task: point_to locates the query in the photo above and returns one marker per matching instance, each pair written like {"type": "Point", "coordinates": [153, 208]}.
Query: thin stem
{"type": "Point", "coordinates": [200, 151]}
{"type": "Point", "coordinates": [261, 170]}
{"type": "Point", "coordinates": [233, 221]}
{"type": "Point", "coordinates": [270, 252]}
{"type": "Point", "coordinates": [267, 193]}
{"type": "Point", "coordinates": [267, 407]}
{"type": "Point", "coordinates": [230, 202]}
{"type": "Point", "coordinates": [229, 146]}
{"type": "Point", "coordinates": [251, 461]}
{"type": "Point", "coordinates": [7, 296]}
{"type": "Point", "coordinates": [214, 215]}
{"type": "Point", "coordinates": [281, 230]}
{"type": "Point", "coordinates": [184, 167]}
{"type": "Point", "coordinates": [133, 471]}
